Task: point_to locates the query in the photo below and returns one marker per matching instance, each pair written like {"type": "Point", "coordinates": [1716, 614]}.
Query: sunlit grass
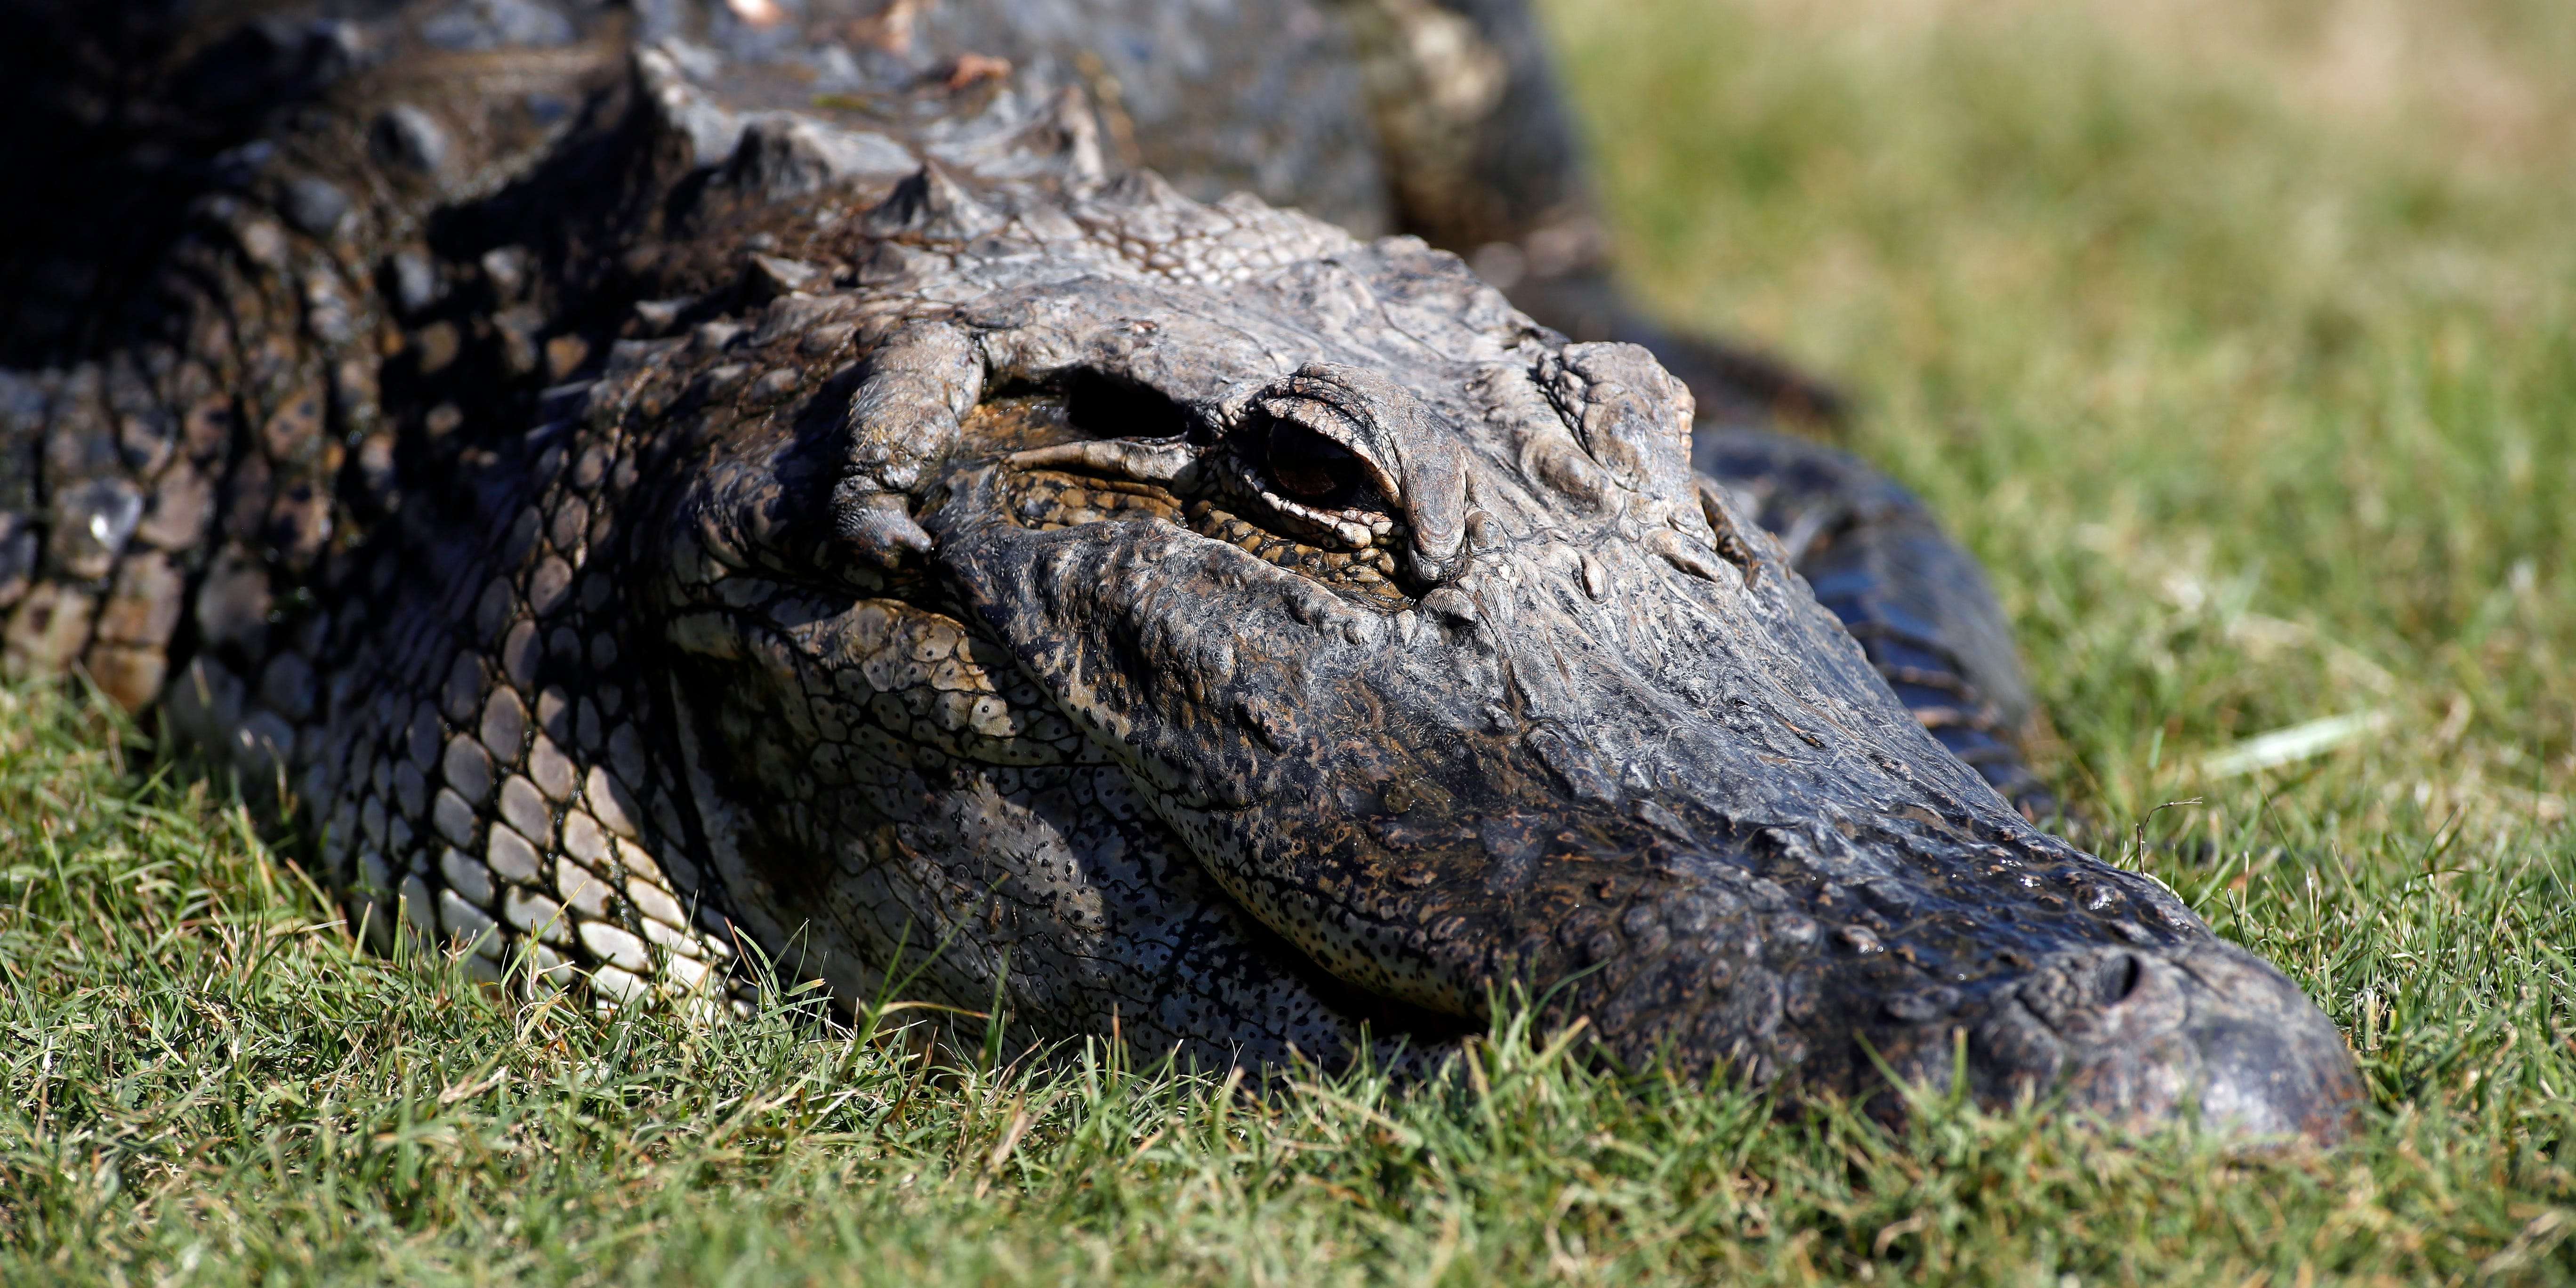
{"type": "Point", "coordinates": [2236, 343]}
{"type": "Point", "coordinates": [2257, 390]}
{"type": "Point", "coordinates": [206, 1082]}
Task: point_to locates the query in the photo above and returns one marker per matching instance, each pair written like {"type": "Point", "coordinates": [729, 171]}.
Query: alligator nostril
{"type": "Point", "coordinates": [2120, 977]}
{"type": "Point", "coordinates": [2158, 1037]}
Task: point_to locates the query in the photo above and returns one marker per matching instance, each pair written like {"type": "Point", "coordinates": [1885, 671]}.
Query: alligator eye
{"type": "Point", "coordinates": [1311, 468]}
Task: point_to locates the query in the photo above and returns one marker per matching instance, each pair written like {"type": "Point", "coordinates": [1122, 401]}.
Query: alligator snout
{"type": "Point", "coordinates": [2136, 1037]}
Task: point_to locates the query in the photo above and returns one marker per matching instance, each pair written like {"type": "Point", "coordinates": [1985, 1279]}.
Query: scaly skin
{"type": "Point", "coordinates": [641, 532]}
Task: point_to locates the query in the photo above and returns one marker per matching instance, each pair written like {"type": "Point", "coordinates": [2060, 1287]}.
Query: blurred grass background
{"type": "Point", "coordinates": [2235, 336]}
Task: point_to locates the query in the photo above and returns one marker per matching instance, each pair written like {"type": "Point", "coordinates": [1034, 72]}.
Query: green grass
{"type": "Point", "coordinates": [2237, 343]}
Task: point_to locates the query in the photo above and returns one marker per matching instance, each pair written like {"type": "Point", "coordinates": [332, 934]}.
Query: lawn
{"type": "Point", "coordinates": [2236, 336]}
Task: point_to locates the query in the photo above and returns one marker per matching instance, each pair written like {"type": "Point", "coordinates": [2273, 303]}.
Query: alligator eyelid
{"type": "Point", "coordinates": [1336, 427]}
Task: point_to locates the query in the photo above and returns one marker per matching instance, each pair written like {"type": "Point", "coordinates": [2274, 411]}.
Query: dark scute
{"type": "Point", "coordinates": [407, 137]}
{"type": "Point", "coordinates": [315, 206]}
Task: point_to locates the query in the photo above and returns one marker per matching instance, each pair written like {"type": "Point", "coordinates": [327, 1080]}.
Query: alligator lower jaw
{"type": "Point", "coordinates": [1753, 964]}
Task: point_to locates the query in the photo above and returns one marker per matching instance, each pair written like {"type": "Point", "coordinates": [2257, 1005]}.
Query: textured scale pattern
{"type": "Point", "coordinates": [667, 499]}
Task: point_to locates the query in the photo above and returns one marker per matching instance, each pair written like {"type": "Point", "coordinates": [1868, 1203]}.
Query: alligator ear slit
{"type": "Point", "coordinates": [1103, 406]}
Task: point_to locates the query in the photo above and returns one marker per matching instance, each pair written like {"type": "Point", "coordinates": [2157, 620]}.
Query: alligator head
{"type": "Point", "coordinates": [1190, 621]}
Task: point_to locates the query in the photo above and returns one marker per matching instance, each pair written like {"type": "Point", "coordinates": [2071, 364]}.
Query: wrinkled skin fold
{"type": "Point", "coordinates": [689, 529]}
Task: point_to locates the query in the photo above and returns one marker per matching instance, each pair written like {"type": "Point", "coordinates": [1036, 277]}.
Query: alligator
{"type": "Point", "coordinates": [661, 497]}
